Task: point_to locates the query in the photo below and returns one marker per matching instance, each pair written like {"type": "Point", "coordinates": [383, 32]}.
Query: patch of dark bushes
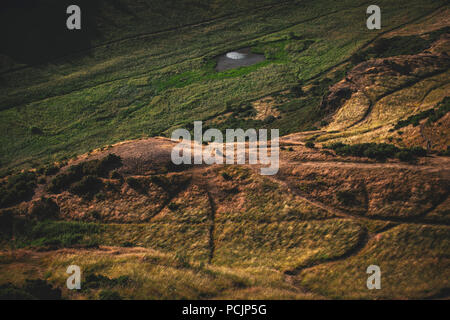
{"type": "Point", "coordinates": [6, 223]}
{"type": "Point", "coordinates": [36, 131]}
{"type": "Point", "coordinates": [445, 152]}
{"type": "Point", "coordinates": [42, 180]}
{"type": "Point", "coordinates": [432, 115]}
{"type": "Point", "coordinates": [87, 187]}
{"type": "Point", "coordinates": [347, 198]}
{"type": "Point", "coordinates": [101, 167]}
{"type": "Point", "coordinates": [170, 184]}
{"type": "Point", "coordinates": [378, 151]}
{"type": "Point", "coordinates": [109, 295]}
{"type": "Point", "coordinates": [17, 188]}
{"type": "Point", "coordinates": [390, 47]}
{"type": "Point", "coordinates": [36, 289]}
{"type": "Point", "coordinates": [44, 209]}
{"type": "Point", "coordinates": [297, 91]}
{"type": "Point", "coordinates": [309, 144]}
{"type": "Point", "coordinates": [269, 119]}
{"type": "Point", "coordinates": [232, 190]}
{"type": "Point", "coordinates": [55, 234]}
{"type": "Point", "coordinates": [399, 45]}
{"type": "Point", "coordinates": [137, 184]}
{"type": "Point", "coordinates": [226, 176]}
{"type": "Point", "coordinates": [244, 111]}
{"type": "Point", "coordinates": [95, 281]}
{"type": "Point", "coordinates": [127, 244]}
{"type": "Point", "coordinates": [51, 170]}
{"type": "Point", "coordinates": [173, 206]}
{"type": "Point", "coordinates": [116, 175]}
{"type": "Point", "coordinates": [94, 168]}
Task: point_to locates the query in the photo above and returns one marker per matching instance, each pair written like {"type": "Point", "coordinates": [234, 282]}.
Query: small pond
{"type": "Point", "coordinates": [238, 58]}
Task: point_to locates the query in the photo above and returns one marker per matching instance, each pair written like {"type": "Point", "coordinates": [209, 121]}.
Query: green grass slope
{"type": "Point", "coordinates": [147, 82]}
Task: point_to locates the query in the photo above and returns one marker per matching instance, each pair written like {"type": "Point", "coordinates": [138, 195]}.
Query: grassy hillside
{"type": "Point", "coordinates": [149, 84]}
{"type": "Point", "coordinates": [227, 232]}
{"type": "Point", "coordinates": [86, 175]}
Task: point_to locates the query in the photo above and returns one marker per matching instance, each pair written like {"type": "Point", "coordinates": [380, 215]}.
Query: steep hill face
{"type": "Point", "coordinates": [401, 99]}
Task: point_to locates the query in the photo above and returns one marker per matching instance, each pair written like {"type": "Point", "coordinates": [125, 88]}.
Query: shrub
{"type": "Point", "coordinates": [75, 173]}
{"type": "Point", "coordinates": [6, 223]}
{"type": "Point", "coordinates": [371, 150]}
{"type": "Point", "coordinates": [445, 152]}
{"type": "Point", "coordinates": [44, 209]}
{"type": "Point", "coordinates": [173, 206]}
{"type": "Point", "coordinates": [380, 151]}
{"type": "Point", "coordinates": [309, 144]}
{"type": "Point", "coordinates": [51, 170]}
{"type": "Point", "coordinates": [171, 184]}
{"type": "Point", "coordinates": [18, 188]}
{"type": "Point", "coordinates": [358, 58]}
{"type": "Point", "coordinates": [87, 186]}
{"type": "Point", "coordinates": [32, 290]}
{"type": "Point", "coordinates": [405, 156]}
{"type": "Point", "coordinates": [95, 281]}
{"type": "Point", "coordinates": [127, 244]}
{"type": "Point", "coordinates": [42, 290]}
{"type": "Point", "coordinates": [297, 91]}
{"type": "Point", "coordinates": [269, 119]}
{"type": "Point", "coordinates": [411, 154]}
{"type": "Point", "coordinates": [56, 234]}
{"type": "Point", "coordinates": [418, 151]}
{"type": "Point", "coordinates": [347, 198]}
{"type": "Point", "coordinates": [109, 295]}
{"type": "Point", "coordinates": [226, 176]}
{"type": "Point", "coordinates": [36, 130]}
{"type": "Point", "coordinates": [398, 45]}
{"type": "Point", "coordinates": [99, 167]}
{"type": "Point", "coordinates": [42, 180]}
{"type": "Point", "coordinates": [137, 184]}
{"type": "Point", "coordinates": [11, 292]}
{"type": "Point", "coordinates": [95, 214]}
{"type": "Point", "coordinates": [432, 115]}
{"type": "Point", "coordinates": [63, 181]}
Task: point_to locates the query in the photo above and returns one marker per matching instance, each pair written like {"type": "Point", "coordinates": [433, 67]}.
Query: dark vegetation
{"type": "Point", "coordinates": [445, 152]}
{"type": "Point", "coordinates": [398, 45]}
{"type": "Point", "coordinates": [432, 115]}
{"type": "Point", "coordinates": [44, 209]}
{"type": "Point", "coordinates": [88, 172]}
{"type": "Point", "coordinates": [87, 187]}
{"type": "Point", "coordinates": [51, 234]}
{"type": "Point", "coordinates": [17, 188]}
{"type": "Point", "coordinates": [49, 170]}
{"type": "Point", "coordinates": [116, 175]}
{"type": "Point", "coordinates": [108, 294]}
{"type": "Point", "coordinates": [170, 184]}
{"type": "Point", "coordinates": [378, 151]}
{"type": "Point", "coordinates": [95, 281]}
{"type": "Point", "coordinates": [226, 176]}
{"type": "Point", "coordinates": [36, 289]}
{"type": "Point", "coordinates": [140, 185]}
{"type": "Point", "coordinates": [347, 197]}
{"type": "Point", "coordinates": [37, 36]}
